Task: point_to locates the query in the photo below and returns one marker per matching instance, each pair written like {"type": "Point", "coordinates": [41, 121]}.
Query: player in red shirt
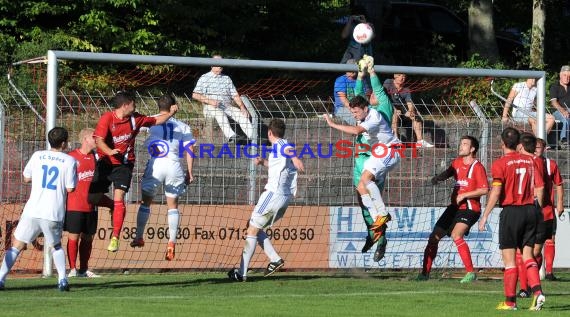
{"type": "Point", "coordinates": [115, 136]}
{"type": "Point", "coordinates": [547, 223]}
{"type": "Point", "coordinates": [464, 210]}
{"type": "Point", "coordinates": [81, 216]}
{"type": "Point", "coordinates": [554, 182]}
{"type": "Point", "coordinates": [514, 188]}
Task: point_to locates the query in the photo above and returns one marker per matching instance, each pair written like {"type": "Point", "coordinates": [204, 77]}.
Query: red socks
{"type": "Point", "coordinates": [72, 253]}
{"type": "Point", "coordinates": [118, 217]}
{"type": "Point", "coordinates": [464, 253]}
{"type": "Point", "coordinates": [549, 252]}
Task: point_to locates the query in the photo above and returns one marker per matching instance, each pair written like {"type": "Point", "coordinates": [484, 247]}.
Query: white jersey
{"type": "Point", "coordinates": [377, 129]}
{"type": "Point", "coordinates": [525, 96]}
{"type": "Point", "coordinates": [217, 87]}
{"type": "Point", "coordinates": [174, 134]}
{"type": "Point", "coordinates": [52, 173]}
{"type": "Point", "coordinates": [282, 174]}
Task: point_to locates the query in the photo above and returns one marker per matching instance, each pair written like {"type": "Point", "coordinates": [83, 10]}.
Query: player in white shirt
{"type": "Point", "coordinates": [167, 144]}
{"type": "Point", "coordinates": [53, 175]}
{"type": "Point", "coordinates": [281, 187]}
{"type": "Point", "coordinates": [385, 157]}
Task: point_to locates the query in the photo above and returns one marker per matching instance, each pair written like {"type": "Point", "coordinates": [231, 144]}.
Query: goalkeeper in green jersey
{"type": "Point", "coordinates": [380, 101]}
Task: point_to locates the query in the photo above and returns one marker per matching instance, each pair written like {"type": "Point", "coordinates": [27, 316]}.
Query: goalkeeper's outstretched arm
{"type": "Point", "coordinates": [449, 172]}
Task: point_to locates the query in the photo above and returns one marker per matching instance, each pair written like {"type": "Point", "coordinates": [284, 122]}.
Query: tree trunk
{"type": "Point", "coordinates": [537, 35]}
{"type": "Point", "coordinates": [481, 30]}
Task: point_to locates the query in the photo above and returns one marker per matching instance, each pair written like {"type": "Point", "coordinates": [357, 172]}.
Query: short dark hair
{"type": "Point", "coordinates": [358, 102]}
{"type": "Point", "coordinates": [510, 137]}
{"type": "Point", "coordinates": [528, 141]}
{"type": "Point", "coordinates": [164, 102]}
{"type": "Point", "coordinates": [57, 136]}
{"type": "Point", "coordinates": [121, 98]}
{"type": "Point", "coordinates": [277, 127]}
{"type": "Point", "coordinates": [540, 141]}
{"type": "Point", "coordinates": [473, 140]}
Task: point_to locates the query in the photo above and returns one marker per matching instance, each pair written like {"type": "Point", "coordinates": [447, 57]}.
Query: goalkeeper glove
{"type": "Point", "coordinates": [370, 62]}
{"type": "Point", "coordinates": [362, 64]}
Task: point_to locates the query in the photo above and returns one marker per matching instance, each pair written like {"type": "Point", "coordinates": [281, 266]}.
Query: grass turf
{"type": "Point", "coordinates": [284, 294]}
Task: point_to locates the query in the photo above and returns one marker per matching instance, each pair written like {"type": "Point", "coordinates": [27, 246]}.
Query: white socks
{"type": "Point", "coordinates": [9, 259]}
{"type": "Point", "coordinates": [267, 247]}
{"type": "Point", "coordinates": [248, 251]}
{"type": "Point", "coordinates": [173, 222]}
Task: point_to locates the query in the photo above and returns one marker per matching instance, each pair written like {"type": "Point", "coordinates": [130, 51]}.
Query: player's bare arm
{"type": "Point", "coordinates": [163, 117]}
{"type": "Point", "coordinates": [356, 130]}
{"type": "Point", "coordinates": [491, 202]}
{"type": "Point", "coordinates": [472, 194]}
{"type": "Point", "coordinates": [101, 145]}
{"type": "Point", "coordinates": [559, 199]}
{"type": "Point", "coordinates": [539, 194]}
{"type": "Point", "coordinates": [189, 165]}
{"type": "Point", "coordinates": [261, 161]}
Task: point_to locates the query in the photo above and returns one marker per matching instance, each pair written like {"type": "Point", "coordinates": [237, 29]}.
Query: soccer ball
{"type": "Point", "coordinates": [363, 33]}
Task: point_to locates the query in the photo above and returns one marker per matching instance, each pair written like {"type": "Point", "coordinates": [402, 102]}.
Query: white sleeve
{"type": "Point", "coordinates": [200, 85]}
{"type": "Point", "coordinates": [71, 175]}
{"type": "Point", "coordinates": [29, 166]}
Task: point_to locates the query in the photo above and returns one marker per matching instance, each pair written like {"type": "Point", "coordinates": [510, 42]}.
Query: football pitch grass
{"type": "Point", "coordinates": [284, 294]}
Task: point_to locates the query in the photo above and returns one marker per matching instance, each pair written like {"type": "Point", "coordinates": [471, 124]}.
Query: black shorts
{"type": "Point", "coordinates": [81, 222]}
{"type": "Point", "coordinates": [517, 227]}
{"type": "Point", "coordinates": [105, 174]}
{"type": "Point", "coordinates": [452, 216]}
{"type": "Point", "coordinates": [544, 230]}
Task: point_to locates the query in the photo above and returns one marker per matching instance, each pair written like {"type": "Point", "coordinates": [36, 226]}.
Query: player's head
{"type": "Point", "coordinates": [510, 138]}
{"type": "Point", "coordinates": [58, 138]}
{"type": "Point", "coordinates": [124, 100]}
{"type": "Point", "coordinates": [217, 69]}
{"type": "Point", "coordinates": [165, 102]}
{"type": "Point", "coordinates": [359, 107]}
{"type": "Point", "coordinates": [540, 147]}
{"type": "Point", "coordinates": [528, 143]}
{"type": "Point", "coordinates": [468, 146]}
{"type": "Point", "coordinates": [86, 138]}
{"type": "Point", "coordinates": [276, 128]}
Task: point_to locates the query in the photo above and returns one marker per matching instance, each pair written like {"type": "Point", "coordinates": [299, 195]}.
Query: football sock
{"type": "Point", "coordinates": [367, 202]}
{"type": "Point", "coordinates": [10, 257]}
{"type": "Point", "coordinates": [533, 276]}
{"type": "Point", "coordinates": [142, 218]}
{"type": "Point", "coordinates": [59, 261]}
{"type": "Point", "coordinates": [521, 271]}
{"type": "Point", "coordinates": [72, 253]}
{"type": "Point", "coordinates": [549, 252]}
{"type": "Point", "coordinates": [376, 198]}
{"type": "Point", "coordinates": [538, 260]}
{"type": "Point", "coordinates": [173, 223]}
{"type": "Point", "coordinates": [248, 251]}
{"type": "Point", "coordinates": [464, 253]}
{"type": "Point", "coordinates": [429, 255]}
{"type": "Point", "coordinates": [510, 285]}
{"type": "Point", "coordinates": [118, 217]}
{"type": "Point", "coordinates": [267, 247]}
{"type": "Point", "coordinates": [85, 247]}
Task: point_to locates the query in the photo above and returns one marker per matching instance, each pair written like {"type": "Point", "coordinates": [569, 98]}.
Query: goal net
{"type": "Point", "coordinates": [323, 227]}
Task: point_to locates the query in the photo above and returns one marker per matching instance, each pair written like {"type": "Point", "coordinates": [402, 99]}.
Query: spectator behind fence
{"type": "Point", "coordinates": [560, 99]}
{"type": "Point", "coordinates": [354, 49]}
{"type": "Point", "coordinates": [343, 93]}
{"type": "Point", "coordinates": [523, 98]}
{"type": "Point", "coordinates": [216, 92]}
{"type": "Point", "coordinates": [405, 109]}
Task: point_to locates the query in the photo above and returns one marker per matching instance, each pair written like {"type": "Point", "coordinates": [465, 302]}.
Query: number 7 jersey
{"type": "Point", "coordinates": [52, 173]}
{"type": "Point", "coordinates": [519, 176]}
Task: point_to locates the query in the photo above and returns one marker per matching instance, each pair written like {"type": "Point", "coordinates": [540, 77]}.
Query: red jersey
{"type": "Point", "coordinates": [468, 177]}
{"type": "Point", "coordinates": [120, 134]}
{"type": "Point", "coordinates": [77, 200]}
{"type": "Point", "coordinates": [515, 173]}
{"type": "Point", "coordinates": [553, 177]}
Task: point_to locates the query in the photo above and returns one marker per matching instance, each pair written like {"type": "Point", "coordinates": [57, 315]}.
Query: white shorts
{"type": "Point", "coordinates": [381, 162]}
{"type": "Point", "coordinates": [28, 229]}
{"type": "Point", "coordinates": [163, 171]}
{"type": "Point", "coordinates": [520, 116]}
{"type": "Point", "coordinates": [270, 208]}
